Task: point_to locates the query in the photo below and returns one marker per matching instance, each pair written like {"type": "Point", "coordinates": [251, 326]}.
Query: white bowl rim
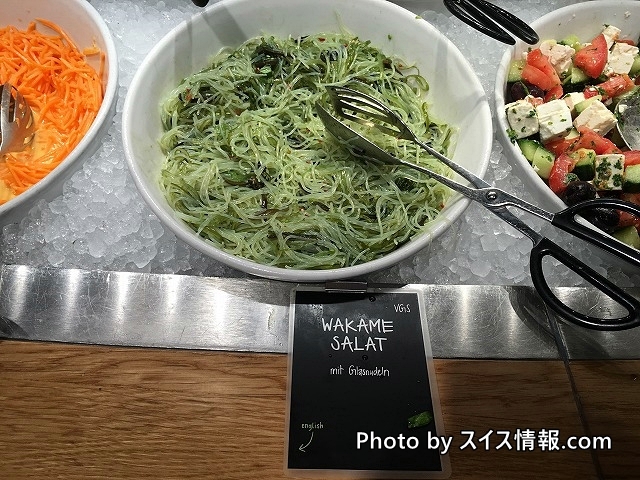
{"type": "Point", "coordinates": [499, 91]}
{"type": "Point", "coordinates": [453, 210]}
{"type": "Point", "coordinates": [102, 116]}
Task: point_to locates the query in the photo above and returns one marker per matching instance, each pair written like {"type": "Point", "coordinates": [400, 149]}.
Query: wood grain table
{"type": "Point", "coordinates": [87, 412]}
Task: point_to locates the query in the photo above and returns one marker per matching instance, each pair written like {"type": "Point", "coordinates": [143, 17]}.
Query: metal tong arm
{"type": "Point", "coordinates": [497, 201]}
{"type": "Point", "coordinates": [361, 147]}
{"type": "Point", "coordinates": [488, 19]}
{"type": "Point", "coordinates": [494, 199]}
{"type": "Point", "coordinates": [349, 103]}
{"type": "Point", "coordinates": [16, 120]}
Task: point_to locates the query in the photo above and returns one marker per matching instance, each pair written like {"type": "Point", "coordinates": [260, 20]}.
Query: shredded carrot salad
{"type": "Point", "coordinates": [63, 90]}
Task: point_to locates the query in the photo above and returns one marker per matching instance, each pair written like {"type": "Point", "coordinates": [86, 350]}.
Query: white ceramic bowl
{"type": "Point", "coordinates": [84, 25]}
{"type": "Point", "coordinates": [455, 93]}
{"type": "Point", "coordinates": [585, 20]}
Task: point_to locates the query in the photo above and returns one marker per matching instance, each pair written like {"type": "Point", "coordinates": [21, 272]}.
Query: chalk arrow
{"type": "Point", "coordinates": [302, 447]}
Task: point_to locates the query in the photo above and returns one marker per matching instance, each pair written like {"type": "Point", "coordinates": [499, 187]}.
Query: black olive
{"type": "Point", "coordinates": [604, 218]}
{"type": "Point", "coordinates": [536, 91]}
{"type": "Point", "coordinates": [578, 191]}
{"type": "Point", "coordinates": [517, 91]}
{"type": "Point", "coordinates": [200, 3]}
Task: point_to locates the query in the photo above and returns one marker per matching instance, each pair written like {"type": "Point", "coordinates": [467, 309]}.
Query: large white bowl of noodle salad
{"type": "Point", "coordinates": [222, 139]}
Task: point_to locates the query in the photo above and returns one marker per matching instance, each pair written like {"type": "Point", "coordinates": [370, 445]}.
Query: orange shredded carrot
{"type": "Point", "coordinates": [63, 90]}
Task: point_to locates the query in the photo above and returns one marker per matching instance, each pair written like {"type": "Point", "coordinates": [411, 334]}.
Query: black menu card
{"type": "Point", "coordinates": [362, 397]}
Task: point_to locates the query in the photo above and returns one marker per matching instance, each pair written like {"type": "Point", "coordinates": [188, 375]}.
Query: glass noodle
{"type": "Point", "coordinates": [250, 168]}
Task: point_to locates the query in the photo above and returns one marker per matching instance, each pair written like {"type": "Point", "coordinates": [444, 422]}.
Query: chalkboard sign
{"type": "Point", "coordinates": [362, 397]}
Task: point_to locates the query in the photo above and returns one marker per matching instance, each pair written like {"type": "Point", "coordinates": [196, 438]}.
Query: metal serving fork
{"type": "Point", "coordinates": [350, 103]}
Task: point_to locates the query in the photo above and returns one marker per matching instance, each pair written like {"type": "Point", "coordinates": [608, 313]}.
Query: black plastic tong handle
{"type": "Point", "coordinates": [546, 247]}
{"type": "Point", "coordinates": [488, 19]}
{"type": "Point", "coordinates": [566, 220]}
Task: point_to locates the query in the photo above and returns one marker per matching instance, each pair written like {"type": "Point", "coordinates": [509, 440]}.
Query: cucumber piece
{"type": "Point", "coordinates": [543, 162]}
{"type": "Point", "coordinates": [581, 106]}
{"type": "Point", "coordinates": [573, 133]}
{"type": "Point", "coordinates": [631, 179]}
{"type": "Point", "coordinates": [515, 70]}
{"type": "Point", "coordinates": [529, 147]}
{"type": "Point", "coordinates": [578, 76]}
{"type": "Point", "coordinates": [628, 235]}
{"type": "Point", "coordinates": [635, 67]}
{"type": "Point", "coordinates": [585, 166]}
{"type": "Point", "coordinates": [572, 99]}
{"type": "Point", "coordinates": [539, 157]}
{"type": "Point", "coordinates": [572, 41]}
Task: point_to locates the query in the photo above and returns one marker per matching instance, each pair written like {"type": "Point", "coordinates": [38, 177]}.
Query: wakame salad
{"type": "Point", "coordinates": [561, 98]}
{"type": "Point", "coordinates": [250, 168]}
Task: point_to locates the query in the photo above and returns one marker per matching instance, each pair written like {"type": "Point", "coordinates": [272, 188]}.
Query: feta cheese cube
{"type": "Point", "coordinates": [597, 117]}
{"type": "Point", "coordinates": [609, 171]}
{"type": "Point", "coordinates": [572, 99]}
{"type": "Point", "coordinates": [522, 118]}
{"type": "Point", "coordinates": [611, 34]}
{"type": "Point", "coordinates": [560, 56]}
{"type": "Point", "coordinates": [554, 119]}
{"type": "Point", "coordinates": [620, 59]}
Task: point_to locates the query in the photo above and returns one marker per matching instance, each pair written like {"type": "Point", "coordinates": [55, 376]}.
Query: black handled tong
{"type": "Point", "coordinates": [481, 15]}
{"type": "Point", "coordinates": [492, 20]}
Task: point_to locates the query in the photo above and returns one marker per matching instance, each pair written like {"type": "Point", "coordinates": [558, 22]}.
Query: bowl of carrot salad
{"type": "Point", "coordinates": [62, 59]}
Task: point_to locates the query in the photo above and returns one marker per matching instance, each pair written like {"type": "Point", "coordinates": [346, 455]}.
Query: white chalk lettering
{"type": "Point", "coordinates": [356, 344]}
{"type": "Point", "coordinates": [368, 372]}
{"type": "Point", "coordinates": [312, 426]}
{"type": "Point", "coordinates": [363, 325]}
{"type": "Point", "coordinates": [402, 308]}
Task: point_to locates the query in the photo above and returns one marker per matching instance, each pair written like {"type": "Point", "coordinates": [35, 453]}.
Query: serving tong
{"type": "Point", "coordinates": [627, 113]}
{"type": "Point", "coordinates": [492, 20]}
{"type": "Point", "coordinates": [364, 109]}
{"type": "Point", "coordinates": [16, 120]}
{"type": "Point", "coordinates": [481, 15]}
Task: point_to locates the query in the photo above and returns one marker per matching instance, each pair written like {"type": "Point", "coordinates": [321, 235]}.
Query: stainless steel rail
{"type": "Point", "coordinates": [179, 311]}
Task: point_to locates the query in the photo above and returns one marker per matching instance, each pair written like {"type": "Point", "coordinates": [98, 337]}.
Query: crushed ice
{"type": "Point", "coordinates": [100, 221]}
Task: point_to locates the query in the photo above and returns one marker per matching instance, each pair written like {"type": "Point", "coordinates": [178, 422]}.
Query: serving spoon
{"type": "Point", "coordinates": [16, 120]}
{"type": "Point", "coordinates": [627, 112]}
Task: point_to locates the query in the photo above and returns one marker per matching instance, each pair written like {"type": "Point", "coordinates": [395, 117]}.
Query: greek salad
{"type": "Point", "coordinates": [560, 107]}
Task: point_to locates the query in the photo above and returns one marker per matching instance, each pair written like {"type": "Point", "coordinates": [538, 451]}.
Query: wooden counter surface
{"type": "Point", "coordinates": [85, 412]}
